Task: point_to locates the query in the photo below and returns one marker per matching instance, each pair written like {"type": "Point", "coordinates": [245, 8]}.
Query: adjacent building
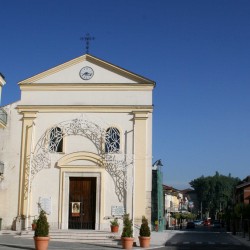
{"type": "Point", "coordinates": [242, 191]}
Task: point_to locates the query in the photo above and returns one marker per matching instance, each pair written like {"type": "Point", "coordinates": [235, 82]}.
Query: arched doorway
{"type": "Point", "coordinates": [80, 192]}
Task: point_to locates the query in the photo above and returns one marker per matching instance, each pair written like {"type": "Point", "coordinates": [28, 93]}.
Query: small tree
{"type": "Point", "coordinates": [127, 226]}
{"type": "Point", "coordinates": [42, 225]}
{"type": "Point", "coordinates": [144, 229]}
{"type": "Point", "coordinates": [114, 222]}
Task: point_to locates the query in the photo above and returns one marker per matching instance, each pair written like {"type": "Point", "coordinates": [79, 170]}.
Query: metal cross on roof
{"type": "Point", "coordinates": [87, 38]}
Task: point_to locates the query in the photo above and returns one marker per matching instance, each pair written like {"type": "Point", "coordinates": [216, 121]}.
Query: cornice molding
{"type": "Point", "coordinates": [53, 70]}
{"type": "Point", "coordinates": [88, 109]}
{"type": "Point", "coordinates": [88, 87]}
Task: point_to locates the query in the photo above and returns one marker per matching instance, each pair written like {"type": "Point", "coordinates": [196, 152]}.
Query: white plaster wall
{"type": "Point", "coordinates": [78, 143]}
{"type": "Point", "coordinates": [46, 184]}
{"type": "Point", "coordinates": [10, 141]}
{"type": "Point", "coordinates": [110, 199]}
{"type": "Point", "coordinates": [86, 98]}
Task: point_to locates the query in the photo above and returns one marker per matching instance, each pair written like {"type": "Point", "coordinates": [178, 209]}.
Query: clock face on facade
{"type": "Point", "coordinates": [86, 73]}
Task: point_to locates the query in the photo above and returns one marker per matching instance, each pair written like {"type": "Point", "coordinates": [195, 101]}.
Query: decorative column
{"type": "Point", "coordinates": [26, 148]}
{"type": "Point", "coordinates": [142, 165]}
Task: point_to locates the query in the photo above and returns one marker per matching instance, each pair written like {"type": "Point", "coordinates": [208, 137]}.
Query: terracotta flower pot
{"type": "Point", "coordinates": [41, 243]}
{"type": "Point", "coordinates": [144, 241]}
{"type": "Point", "coordinates": [33, 225]}
{"type": "Point", "coordinates": [114, 229]}
{"type": "Point", "coordinates": [127, 242]}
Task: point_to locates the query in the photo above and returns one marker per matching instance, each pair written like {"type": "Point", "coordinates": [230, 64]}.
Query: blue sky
{"type": "Point", "coordinates": [197, 52]}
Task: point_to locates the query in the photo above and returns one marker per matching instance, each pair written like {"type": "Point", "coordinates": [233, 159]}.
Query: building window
{"type": "Point", "coordinates": [112, 140]}
{"type": "Point", "coordinates": [56, 140]}
{"type": "Point", "coordinates": [171, 204]}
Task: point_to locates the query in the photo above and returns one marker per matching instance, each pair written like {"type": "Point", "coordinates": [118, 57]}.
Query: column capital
{"type": "Point", "coordinates": [140, 115]}
{"type": "Point", "coordinates": [29, 115]}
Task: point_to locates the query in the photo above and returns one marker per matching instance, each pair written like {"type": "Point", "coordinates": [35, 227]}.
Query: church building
{"type": "Point", "coordinates": [79, 143]}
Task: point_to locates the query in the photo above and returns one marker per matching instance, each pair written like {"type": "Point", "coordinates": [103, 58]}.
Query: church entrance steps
{"type": "Point", "coordinates": [83, 236]}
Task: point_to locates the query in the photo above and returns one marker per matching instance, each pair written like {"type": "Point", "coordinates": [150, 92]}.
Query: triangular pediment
{"type": "Point", "coordinates": [100, 72]}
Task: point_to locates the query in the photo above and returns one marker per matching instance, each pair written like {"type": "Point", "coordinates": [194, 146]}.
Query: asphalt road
{"type": "Point", "coordinates": [204, 238]}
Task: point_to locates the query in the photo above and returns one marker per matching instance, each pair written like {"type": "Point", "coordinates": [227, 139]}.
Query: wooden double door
{"type": "Point", "coordinates": [82, 202]}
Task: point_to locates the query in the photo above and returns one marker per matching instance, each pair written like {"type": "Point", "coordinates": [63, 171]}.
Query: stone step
{"type": "Point", "coordinates": [83, 236]}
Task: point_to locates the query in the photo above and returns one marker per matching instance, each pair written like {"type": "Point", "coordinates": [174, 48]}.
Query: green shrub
{"type": "Point", "coordinates": [144, 229]}
{"type": "Point", "coordinates": [127, 226]}
{"type": "Point", "coordinates": [114, 222]}
{"type": "Point", "coordinates": [42, 225]}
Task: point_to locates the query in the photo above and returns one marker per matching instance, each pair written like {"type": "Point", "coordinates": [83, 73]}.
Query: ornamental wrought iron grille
{"type": "Point", "coordinates": [56, 140]}
{"type": "Point", "coordinates": [112, 140]}
{"type": "Point", "coordinates": [106, 142]}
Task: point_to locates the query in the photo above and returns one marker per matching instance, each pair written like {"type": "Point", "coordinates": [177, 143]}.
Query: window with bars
{"type": "Point", "coordinates": [56, 140]}
{"type": "Point", "coordinates": [112, 140]}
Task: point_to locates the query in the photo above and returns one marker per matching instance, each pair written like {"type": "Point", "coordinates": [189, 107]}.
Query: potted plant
{"type": "Point", "coordinates": [114, 225]}
{"type": "Point", "coordinates": [34, 224]}
{"type": "Point", "coordinates": [127, 233]}
{"type": "Point", "coordinates": [144, 237]}
{"type": "Point", "coordinates": [41, 236]}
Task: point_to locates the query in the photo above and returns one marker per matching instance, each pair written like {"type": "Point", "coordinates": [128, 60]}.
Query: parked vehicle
{"type": "Point", "coordinates": [216, 224]}
{"type": "Point", "coordinates": [207, 222]}
{"type": "Point", "coordinates": [190, 224]}
{"type": "Point", "coordinates": [198, 222]}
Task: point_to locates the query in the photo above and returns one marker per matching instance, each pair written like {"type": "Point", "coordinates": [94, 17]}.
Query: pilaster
{"type": "Point", "coordinates": [142, 163]}
{"type": "Point", "coordinates": [26, 143]}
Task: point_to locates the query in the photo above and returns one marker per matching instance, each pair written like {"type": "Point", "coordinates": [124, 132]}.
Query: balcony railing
{"type": "Point", "coordinates": [3, 117]}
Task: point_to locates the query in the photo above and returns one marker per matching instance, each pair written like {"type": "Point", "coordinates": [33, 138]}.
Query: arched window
{"type": "Point", "coordinates": [56, 140]}
{"type": "Point", "coordinates": [112, 140]}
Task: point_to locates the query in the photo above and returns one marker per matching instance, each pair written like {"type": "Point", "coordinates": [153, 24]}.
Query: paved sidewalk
{"type": "Point", "coordinates": [239, 237]}
{"type": "Point", "coordinates": [12, 241]}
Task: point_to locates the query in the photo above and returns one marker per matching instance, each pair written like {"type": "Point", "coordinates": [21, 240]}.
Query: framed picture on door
{"type": "Point", "coordinates": [75, 209]}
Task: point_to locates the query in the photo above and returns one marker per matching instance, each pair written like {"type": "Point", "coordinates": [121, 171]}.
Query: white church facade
{"type": "Point", "coordinates": [79, 142]}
